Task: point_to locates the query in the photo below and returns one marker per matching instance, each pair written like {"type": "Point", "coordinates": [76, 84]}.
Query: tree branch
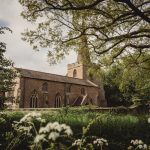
{"type": "Point", "coordinates": [135, 9]}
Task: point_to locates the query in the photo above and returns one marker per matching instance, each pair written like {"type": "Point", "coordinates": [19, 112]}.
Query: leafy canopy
{"type": "Point", "coordinates": [113, 28]}
{"type": "Point", "coordinates": [124, 81]}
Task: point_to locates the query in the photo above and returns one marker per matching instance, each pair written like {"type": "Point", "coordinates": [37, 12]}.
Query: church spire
{"type": "Point", "coordinates": [83, 49]}
{"type": "Point", "coordinates": [79, 58]}
{"type": "Point", "coordinates": [83, 56]}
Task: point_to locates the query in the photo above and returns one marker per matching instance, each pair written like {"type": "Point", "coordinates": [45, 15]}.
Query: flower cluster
{"type": "Point", "coordinates": [138, 145]}
{"type": "Point", "coordinates": [25, 125]}
{"type": "Point", "coordinates": [52, 131]}
{"type": "Point", "coordinates": [100, 142]}
{"type": "Point", "coordinates": [90, 142]}
{"type": "Point", "coordinates": [32, 116]}
{"type": "Point", "coordinates": [78, 142]}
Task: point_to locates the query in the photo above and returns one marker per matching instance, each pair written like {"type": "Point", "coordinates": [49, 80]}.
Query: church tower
{"type": "Point", "coordinates": [80, 67]}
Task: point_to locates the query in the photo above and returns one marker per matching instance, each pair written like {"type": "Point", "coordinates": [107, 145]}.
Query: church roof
{"type": "Point", "coordinates": [53, 77]}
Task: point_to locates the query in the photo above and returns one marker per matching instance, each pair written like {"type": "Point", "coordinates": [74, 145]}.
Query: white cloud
{"type": "Point", "coordinates": [20, 52]}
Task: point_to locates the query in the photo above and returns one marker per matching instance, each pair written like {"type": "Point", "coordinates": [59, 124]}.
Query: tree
{"type": "Point", "coordinates": [124, 81]}
{"type": "Point", "coordinates": [113, 28]}
{"type": "Point", "coordinates": [7, 74]}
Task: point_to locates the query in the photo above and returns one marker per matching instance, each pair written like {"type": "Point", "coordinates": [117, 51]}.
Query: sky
{"type": "Point", "coordinates": [19, 51]}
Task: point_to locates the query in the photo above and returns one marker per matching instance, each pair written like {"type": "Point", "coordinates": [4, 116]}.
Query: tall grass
{"type": "Point", "coordinates": [118, 129]}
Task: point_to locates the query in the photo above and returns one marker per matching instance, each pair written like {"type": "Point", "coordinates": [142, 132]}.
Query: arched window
{"type": "Point", "coordinates": [68, 89]}
{"type": "Point", "coordinates": [74, 73]}
{"type": "Point", "coordinates": [34, 99]}
{"type": "Point", "coordinates": [45, 87]}
{"type": "Point", "coordinates": [58, 100]}
{"type": "Point", "coordinates": [82, 91]}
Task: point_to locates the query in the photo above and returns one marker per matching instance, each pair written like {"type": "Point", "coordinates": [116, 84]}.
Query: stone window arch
{"type": "Point", "coordinates": [83, 91]}
{"type": "Point", "coordinates": [74, 73]}
{"type": "Point", "coordinates": [34, 99]}
{"type": "Point", "coordinates": [68, 89]}
{"type": "Point", "coordinates": [45, 87]}
{"type": "Point", "coordinates": [58, 100]}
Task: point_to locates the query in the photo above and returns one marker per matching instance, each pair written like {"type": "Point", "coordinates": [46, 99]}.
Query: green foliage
{"type": "Point", "coordinates": [128, 78]}
{"type": "Point", "coordinates": [117, 129]}
{"type": "Point", "coordinates": [7, 74]}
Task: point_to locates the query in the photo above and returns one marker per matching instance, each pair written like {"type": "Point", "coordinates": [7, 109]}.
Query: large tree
{"type": "Point", "coordinates": [112, 28]}
{"type": "Point", "coordinates": [7, 73]}
{"type": "Point", "coordinates": [123, 81]}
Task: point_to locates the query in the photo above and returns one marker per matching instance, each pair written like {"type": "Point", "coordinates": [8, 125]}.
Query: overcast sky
{"type": "Point", "coordinates": [19, 51]}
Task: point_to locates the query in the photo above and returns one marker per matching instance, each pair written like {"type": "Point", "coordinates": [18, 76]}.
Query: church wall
{"type": "Point", "coordinates": [28, 85]}
{"type": "Point", "coordinates": [74, 93]}
{"type": "Point", "coordinates": [53, 89]}
{"type": "Point", "coordinates": [33, 84]}
{"type": "Point", "coordinates": [92, 92]}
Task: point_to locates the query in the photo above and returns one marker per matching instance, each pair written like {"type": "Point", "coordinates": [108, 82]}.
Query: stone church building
{"type": "Point", "coordinates": [36, 89]}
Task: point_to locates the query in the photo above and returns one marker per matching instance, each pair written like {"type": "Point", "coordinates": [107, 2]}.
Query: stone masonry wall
{"type": "Point", "coordinates": [27, 85]}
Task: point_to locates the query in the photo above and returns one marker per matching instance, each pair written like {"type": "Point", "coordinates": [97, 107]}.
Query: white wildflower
{"type": "Point", "coordinates": [140, 146]}
{"type": "Point", "coordinates": [48, 126]}
{"type": "Point", "coordinates": [30, 116]}
{"type": "Point", "coordinates": [100, 142]}
{"type": "Point", "coordinates": [63, 126]}
{"type": "Point", "coordinates": [26, 129]}
{"type": "Point", "coordinates": [26, 118]}
{"type": "Point", "coordinates": [68, 131]}
{"type": "Point", "coordinates": [40, 119]}
{"type": "Point", "coordinates": [58, 128]}
{"type": "Point", "coordinates": [140, 142]}
{"type": "Point", "coordinates": [39, 138]}
{"type": "Point", "coordinates": [44, 130]}
{"type": "Point", "coordinates": [136, 142]}
{"type": "Point", "coordinates": [77, 142]}
{"type": "Point", "coordinates": [145, 146]}
{"type": "Point", "coordinates": [148, 120]}
{"type": "Point", "coordinates": [53, 136]}
{"type": "Point", "coordinates": [54, 125]}
{"type": "Point", "coordinates": [132, 141]}
{"type": "Point", "coordinates": [54, 130]}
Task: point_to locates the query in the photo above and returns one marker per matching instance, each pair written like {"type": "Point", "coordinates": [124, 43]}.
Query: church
{"type": "Point", "coordinates": [36, 89]}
